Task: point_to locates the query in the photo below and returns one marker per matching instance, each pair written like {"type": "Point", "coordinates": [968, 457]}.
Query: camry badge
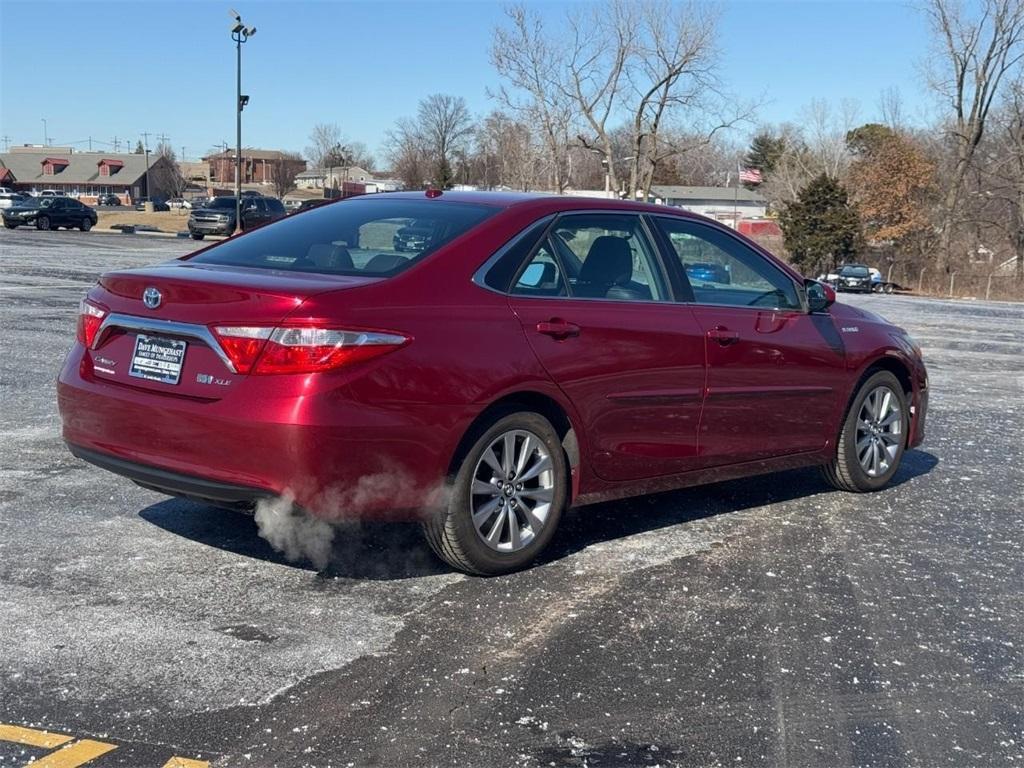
{"type": "Point", "coordinates": [151, 297]}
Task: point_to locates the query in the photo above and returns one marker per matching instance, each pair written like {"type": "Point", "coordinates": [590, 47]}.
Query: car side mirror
{"type": "Point", "coordinates": [820, 296]}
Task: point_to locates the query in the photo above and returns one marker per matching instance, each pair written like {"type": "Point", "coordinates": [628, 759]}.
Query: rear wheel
{"type": "Point", "coordinates": [43, 222]}
{"type": "Point", "coordinates": [506, 499]}
{"type": "Point", "coordinates": [873, 437]}
{"type": "Point", "coordinates": [197, 235]}
{"type": "Point", "coordinates": [86, 225]}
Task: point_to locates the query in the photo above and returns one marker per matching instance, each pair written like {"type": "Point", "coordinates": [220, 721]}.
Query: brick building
{"type": "Point", "coordinates": [259, 166]}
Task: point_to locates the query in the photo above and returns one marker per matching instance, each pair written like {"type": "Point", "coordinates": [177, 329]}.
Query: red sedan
{"type": "Point", "coordinates": [526, 354]}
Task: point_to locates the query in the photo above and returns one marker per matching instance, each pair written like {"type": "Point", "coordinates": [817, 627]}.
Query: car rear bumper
{"type": "Point", "coordinates": [334, 458]}
{"type": "Point", "coordinates": [172, 483]}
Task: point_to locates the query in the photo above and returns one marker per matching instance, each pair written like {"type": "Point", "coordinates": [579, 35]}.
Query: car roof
{"type": "Point", "coordinates": [535, 200]}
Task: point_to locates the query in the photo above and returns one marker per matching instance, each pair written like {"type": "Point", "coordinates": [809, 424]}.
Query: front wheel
{"type": "Point", "coordinates": [43, 222]}
{"type": "Point", "coordinates": [197, 235]}
{"type": "Point", "coordinates": [506, 499]}
{"type": "Point", "coordinates": [10, 226]}
{"type": "Point", "coordinates": [873, 438]}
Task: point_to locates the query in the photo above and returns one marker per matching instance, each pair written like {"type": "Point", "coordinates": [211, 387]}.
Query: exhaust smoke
{"type": "Point", "coordinates": [295, 534]}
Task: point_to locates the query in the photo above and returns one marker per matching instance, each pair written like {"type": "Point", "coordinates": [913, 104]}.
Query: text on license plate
{"type": "Point", "coordinates": [157, 359]}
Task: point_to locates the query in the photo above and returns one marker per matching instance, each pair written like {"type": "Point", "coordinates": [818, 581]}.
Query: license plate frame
{"type": "Point", "coordinates": [157, 358]}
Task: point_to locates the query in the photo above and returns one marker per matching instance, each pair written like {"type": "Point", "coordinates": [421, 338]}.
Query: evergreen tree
{"type": "Point", "coordinates": [139, 150]}
{"type": "Point", "coordinates": [765, 151]}
{"type": "Point", "coordinates": [821, 228]}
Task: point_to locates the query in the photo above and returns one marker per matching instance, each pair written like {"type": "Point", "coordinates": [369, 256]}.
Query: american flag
{"type": "Point", "coordinates": [750, 176]}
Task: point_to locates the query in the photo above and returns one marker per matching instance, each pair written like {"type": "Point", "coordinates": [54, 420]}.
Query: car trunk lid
{"type": "Point", "coordinates": [159, 332]}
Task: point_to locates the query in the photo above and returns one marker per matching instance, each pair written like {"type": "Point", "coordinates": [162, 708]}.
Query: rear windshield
{"type": "Point", "coordinates": [355, 237]}
{"type": "Point", "coordinates": [854, 271]}
{"type": "Point", "coordinates": [221, 202]}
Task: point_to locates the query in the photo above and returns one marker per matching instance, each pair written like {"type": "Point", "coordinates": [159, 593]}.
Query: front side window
{"type": "Point", "coordinates": [607, 256]}
{"type": "Point", "coordinates": [721, 270]}
{"type": "Point", "coordinates": [366, 236]}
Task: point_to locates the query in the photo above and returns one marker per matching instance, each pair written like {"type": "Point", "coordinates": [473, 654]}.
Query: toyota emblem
{"type": "Point", "coordinates": [151, 297]}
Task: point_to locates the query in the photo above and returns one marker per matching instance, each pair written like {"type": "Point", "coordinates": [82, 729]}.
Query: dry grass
{"type": "Point", "coordinates": [165, 221]}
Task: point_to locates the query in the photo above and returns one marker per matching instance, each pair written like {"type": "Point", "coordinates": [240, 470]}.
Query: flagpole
{"type": "Point", "coordinates": [736, 201]}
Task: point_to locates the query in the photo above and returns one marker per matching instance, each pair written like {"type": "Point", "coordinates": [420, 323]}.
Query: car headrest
{"type": "Point", "coordinates": [330, 256]}
{"type": "Point", "coordinates": [609, 262]}
{"type": "Point", "coordinates": [384, 262]}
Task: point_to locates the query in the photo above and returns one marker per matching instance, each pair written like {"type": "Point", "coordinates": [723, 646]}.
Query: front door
{"type": "Point", "coordinates": [594, 304]}
{"type": "Point", "coordinates": [776, 374]}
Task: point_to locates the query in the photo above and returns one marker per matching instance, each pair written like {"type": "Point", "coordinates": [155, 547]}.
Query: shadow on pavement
{"type": "Point", "coordinates": [384, 551]}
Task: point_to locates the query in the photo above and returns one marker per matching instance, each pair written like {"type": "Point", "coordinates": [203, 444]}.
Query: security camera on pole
{"type": "Point", "coordinates": [239, 33]}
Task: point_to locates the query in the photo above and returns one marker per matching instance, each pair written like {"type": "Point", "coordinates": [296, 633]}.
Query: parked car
{"type": "Point", "coordinates": [305, 205]}
{"type": "Point", "coordinates": [251, 193]}
{"type": "Point", "coordinates": [10, 199]}
{"type": "Point", "coordinates": [708, 273]}
{"type": "Point", "coordinates": [50, 193]}
{"type": "Point", "coordinates": [178, 202]}
{"type": "Point", "coordinates": [108, 199]}
{"type": "Point", "coordinates": [51, 213]}
{"type": "Point", "coordinates": [159, 204]}
{"type": "Point", "coordinates": [853, 278]}
{"type": "Point", "coordinates": [415, 236]}
{"type": "Point", "coordinates": [538, 353]}
{"type": "Point", "coordinates": [217, 217]}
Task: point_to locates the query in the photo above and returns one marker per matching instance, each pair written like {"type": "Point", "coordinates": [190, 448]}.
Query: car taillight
{"type": "Point", "coordinates": [302, 349]}
{"type": "Point", "coordinates": [90, 317]}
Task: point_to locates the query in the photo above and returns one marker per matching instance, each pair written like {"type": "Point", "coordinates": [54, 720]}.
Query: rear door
{"type": "Point", "coordinates": [775, 373]}
{"type": "Point", "coordinates": [595, 305]}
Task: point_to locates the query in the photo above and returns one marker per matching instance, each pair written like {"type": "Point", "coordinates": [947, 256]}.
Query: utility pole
{"type": "Point", "coordinates": [46, 136]}
{"type": "Point", "coordinates": [145, 149]}
{"type": "Point", "coordinates": [162, 139]}
{"type": "Point", "coordinates": [117, 144]}
{"type": "Point", "coordinates": [7, 142]}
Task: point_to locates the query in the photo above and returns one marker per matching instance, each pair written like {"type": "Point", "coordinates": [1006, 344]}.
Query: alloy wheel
{"type": "Point", "coordinates": [879, 431]}
{"type": "Point", "coordinates": [513, 487]}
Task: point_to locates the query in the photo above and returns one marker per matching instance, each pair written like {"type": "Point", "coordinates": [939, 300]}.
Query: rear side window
{"type": "Point", "coordinates": [371, 236]}
{"type": "Point", "coordinates": [274, 205]}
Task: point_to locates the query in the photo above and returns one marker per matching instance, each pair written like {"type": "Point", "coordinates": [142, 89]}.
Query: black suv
{"type": "Point", "coordinates": [853, 278]}
{"type": "Point", "coordinates": [51, 213]}
{"type": "Point", "coordinates": [217, 217]}
{"type": "Point", "coordinates": [415, 236]}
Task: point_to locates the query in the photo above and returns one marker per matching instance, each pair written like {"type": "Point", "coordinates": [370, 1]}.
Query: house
{"type": "Point", "coordinates": [84, 175]}
{"type": "Point", "coordinates": [259, 166]}
{"type": "Point", "coordinates": [728, 205]}
{"type": "Point", "coordinates": [319, 178]}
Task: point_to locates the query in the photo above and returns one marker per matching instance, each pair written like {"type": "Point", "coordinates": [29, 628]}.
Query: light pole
{"type": "Point", "coordinates": [46, 137]}
{"type": "Point", "coordinates": [239, 33]}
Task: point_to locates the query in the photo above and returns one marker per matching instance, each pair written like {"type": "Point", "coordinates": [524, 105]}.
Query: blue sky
{"type": "Point", "coordinates": [111, 69]}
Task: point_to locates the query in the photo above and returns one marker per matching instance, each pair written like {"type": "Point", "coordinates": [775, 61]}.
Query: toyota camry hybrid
{"type": "Point", "coordinates": [526, 354]}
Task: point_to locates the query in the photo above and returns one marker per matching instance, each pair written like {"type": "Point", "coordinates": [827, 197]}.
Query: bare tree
{"type": "Point", "coordinates": [284, 170]}
{"type": "Point", "coordinates": [974, 54]}
{"type": "Point", "coordinates": [322, 140]}
{"type": "Point", "coordinates": [166, 177]}
{"type": "Point", "coordinates": [408, 154]}
{"type": "Point", "coordinates": [532, 64]}
{"type": "Point", "coordinates": [1002, 176]}
{"type": "Point", "coordinates": [444, 125]}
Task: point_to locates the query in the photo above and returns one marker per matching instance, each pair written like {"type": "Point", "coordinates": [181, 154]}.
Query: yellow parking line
{"type": "Point", "coordinates": [31, 737]}
{"type": "Point", "coordinates": [73, 755]}
{"type": "Point", "coordinates": [184, 762]}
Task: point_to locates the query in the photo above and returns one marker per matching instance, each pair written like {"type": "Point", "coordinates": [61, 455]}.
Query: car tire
{"type": "Point", "coordinates": [43, 222]}
{"type": "Point", "coordinates": [86, 225]}
{"type": "Point", "coordinates": [10, 226]}
{"type": "Point", "coordinates": [519, 518]}
{"type": "Point", "coordinates": [873, 437]}
{"type": "Point", "coordinates": [888, 288]}
{"type": "Point", "coordinates": [197, 236]}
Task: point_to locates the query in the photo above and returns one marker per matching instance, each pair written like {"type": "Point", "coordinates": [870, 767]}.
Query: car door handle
{"type": "Point", "coordinates": [724, 336]}
{"type": "Point", "coordinates": [557, 328]}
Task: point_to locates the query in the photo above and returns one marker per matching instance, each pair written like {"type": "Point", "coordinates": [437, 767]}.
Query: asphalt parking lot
{"type": "Point", "coordinates": [768, 621]}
